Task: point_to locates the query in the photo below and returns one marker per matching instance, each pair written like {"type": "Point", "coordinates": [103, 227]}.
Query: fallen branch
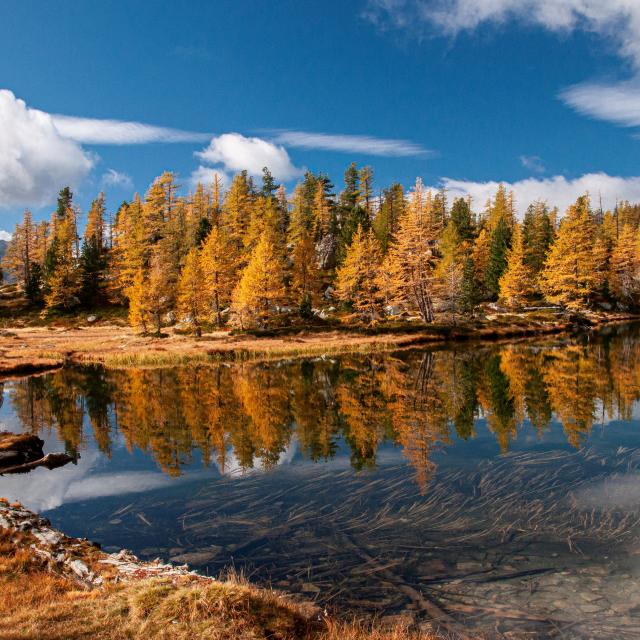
{"type": "Point", "coordinates": [50, 461]}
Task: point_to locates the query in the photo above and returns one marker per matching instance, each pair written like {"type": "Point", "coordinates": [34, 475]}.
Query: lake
{"type": "Point", "coordinates": [499, 484]}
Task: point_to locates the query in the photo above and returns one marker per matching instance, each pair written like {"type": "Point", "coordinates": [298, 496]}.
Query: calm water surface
{"type": "Point", "coordinates": [501, 483]}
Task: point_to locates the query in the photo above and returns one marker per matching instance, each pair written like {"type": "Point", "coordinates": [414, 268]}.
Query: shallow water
{"type": "Point", "coordinates": [500, 484]}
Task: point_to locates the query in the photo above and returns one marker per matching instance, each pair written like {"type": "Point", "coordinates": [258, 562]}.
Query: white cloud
{"type": "Point", "coordinates": [618, 103]}
{"type": "Point", "coordinates": [617, 22]}
{"type": "Point", "coordinates": [205, 175]}
{"type": "Point", "coordinates": [533, 163]}
{"type": "Point", "coordinates": [350, 143]}
{"type": "Point", "coordinates": [95, 131]}
{"type": "Point", "coordinates": [113, 178]}
{"type": "Point", "coordinates": [5, 235]}
{"type": "Point", "coordinates": [556, 191]}
{"type": "Point", "coordinates": [35, 159]}
{"type": "Point", "coordinates": [617, 19]}
{"type": "Point", "coordinates": [235, 153]}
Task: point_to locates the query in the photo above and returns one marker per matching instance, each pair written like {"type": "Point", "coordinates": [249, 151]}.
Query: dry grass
{"type": "Point", "coordinates": [38, 604]}
{"type": "Point", "coordinates": [28, 349]}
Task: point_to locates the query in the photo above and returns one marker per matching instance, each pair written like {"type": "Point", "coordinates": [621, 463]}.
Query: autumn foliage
{"type": "Point", "coordinates": [256, 257]}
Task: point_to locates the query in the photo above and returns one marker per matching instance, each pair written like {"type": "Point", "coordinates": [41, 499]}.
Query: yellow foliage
{"type": "Point", "coordinates": [261, 287]}
{"type": "Point", "coordinates": [357, 278]}
{"type": "Point", "coordinates": [516, 283]}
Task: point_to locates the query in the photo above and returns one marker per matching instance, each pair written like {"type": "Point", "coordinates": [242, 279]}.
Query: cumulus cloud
{"type": "Point", "coordinates": [234, 152]}
{"type": "Point", "coordinates": [113, 178]}
{"type": "Point", "coordinates": [118, 132]}
{"type": "Point", "coordinates": [556, 191]}
{"type": "Point", "coordinates": [350, 143]}
{"type": "Point", "coordinates": [533, 163]}
{"type": "Point", "coordinates": [35, 159]}
{"type": "Point", "coordinates": [5, 235]}
{"type": "Point", "coordinates": [616, 21]}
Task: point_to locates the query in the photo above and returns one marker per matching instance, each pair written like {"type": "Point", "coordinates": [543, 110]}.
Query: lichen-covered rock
{"type": "Point", "coordinates": [80, 559]}
{"type": "Point", "coordinates": [326, 252]}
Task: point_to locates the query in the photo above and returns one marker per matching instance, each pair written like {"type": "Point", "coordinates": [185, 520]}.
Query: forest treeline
{"type": "Point", "coordinates": [248, 415]}
{"type": "Point", "coordinates": [254, 255]}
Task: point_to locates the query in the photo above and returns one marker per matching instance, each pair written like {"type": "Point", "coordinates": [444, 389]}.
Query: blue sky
{"type": "Point", "coordinates": [541, 94]}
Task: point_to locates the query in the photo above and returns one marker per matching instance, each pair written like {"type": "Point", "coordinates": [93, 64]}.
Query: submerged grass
{"type": "Point", "coordinates": [37, 603]}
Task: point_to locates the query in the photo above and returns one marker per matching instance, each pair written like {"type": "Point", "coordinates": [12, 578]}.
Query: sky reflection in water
{"type": "Point", "coordinates": [447, 466]}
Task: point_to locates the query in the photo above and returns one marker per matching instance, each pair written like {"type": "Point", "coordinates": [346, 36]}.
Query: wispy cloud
{"type": "Point", "coordinates": [617, 103]}
{"type": "Point", "coordinates": [367, 145]}
{"type": "Point", "coordinates": [556, 191]}
{"type": "Point", "coordinates": [235, 152]}
{"type": "Point", "coordinates": [617, 22]}
{"type": "Point", "coordinates": [120, 132]}
{"type": "Point", "coordinates": [113, 178]}
{"type": "Point", "coordinates": [617, 19]}
{"type": "Point", "coordinates": [533, 163]}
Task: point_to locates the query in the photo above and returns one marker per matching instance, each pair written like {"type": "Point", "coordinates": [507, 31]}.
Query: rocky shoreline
{"type": "Point", "coordinates": [54, 586]}
{"type": "Point", "coordinates": [80, 559]}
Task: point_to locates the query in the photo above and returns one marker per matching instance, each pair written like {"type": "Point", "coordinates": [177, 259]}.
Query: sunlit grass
{"type": "Point", "coordinates": [38, 603]}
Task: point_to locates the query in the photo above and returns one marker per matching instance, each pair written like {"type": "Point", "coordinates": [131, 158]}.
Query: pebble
{"type": "Point", "coordinates": [589, 608]}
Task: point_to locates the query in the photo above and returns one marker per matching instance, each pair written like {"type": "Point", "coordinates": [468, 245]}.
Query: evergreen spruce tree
{"type": "Point", "coordinates": [462, 219]}
{"type": "Point", "coordinates": [93, 257]}
{"type": "Point", "coordinates": [469, 294]}
{"type": "Point", "coordinates": [385, 223]}
{"type": "Point", "coordinates": [352, 213]}
{"type": "Point", "coordinates": [269, 185]}
{"type": "Point", "coordinates": [499, 243]}
{"type": "Point", "coordinates": [450, 269]}
{"type": "Point", "coordinates": [538, 233]}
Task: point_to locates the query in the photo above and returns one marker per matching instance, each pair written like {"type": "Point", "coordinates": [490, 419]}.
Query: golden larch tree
{"type": "Point", "coordinates": [410, 263]}
{"type": "Point", "coordinates": [261, 286]}
{"type": "Point", "coordinates": [64, 282]}
{"type": "Point", "coordinates": [219, 263]}
{"type": "Point", "coordinates": [625, 267]}
{"type": "Point", "coordinates": [138, 303]}
{"type": "Point", "coordinates": [192, 298]}
{"type": "Point", "coordinates": [357, 279]}
{"type": "Point", "coordinates": [573, 272]}
{"type": "Point", "coordinates": [517, 284]}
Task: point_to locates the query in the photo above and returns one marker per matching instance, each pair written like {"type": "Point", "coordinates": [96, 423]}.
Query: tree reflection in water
{"type": "Point", "coordinates": [247, 414]}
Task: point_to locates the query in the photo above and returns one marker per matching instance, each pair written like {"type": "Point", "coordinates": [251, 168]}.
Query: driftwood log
{"type": "Point", "coordinates": [22, 452]}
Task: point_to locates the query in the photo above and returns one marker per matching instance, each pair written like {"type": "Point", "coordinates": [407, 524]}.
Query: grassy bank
{"type": "Point", "coordinates": [29, 349]}
{"type": "Point", "coordinates": [59, 588]}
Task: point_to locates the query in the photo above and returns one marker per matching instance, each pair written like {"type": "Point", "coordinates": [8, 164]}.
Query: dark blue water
{"type": "Point", "coordinates": [500, 483]}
